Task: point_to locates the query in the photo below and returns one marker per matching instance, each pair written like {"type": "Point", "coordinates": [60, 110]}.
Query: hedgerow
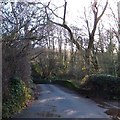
{"type": "Point", "coordinates": [101, 84]}
{"type": "Point", "coordinates": [20, 94]}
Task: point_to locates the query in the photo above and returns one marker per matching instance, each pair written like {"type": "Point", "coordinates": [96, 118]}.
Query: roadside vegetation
{"type": "Point", "coordinates": [36, 49]}
{"type": "Point", "coordinates": [19, 97]}
{"type": "Point", "coordinates": [101, 86]}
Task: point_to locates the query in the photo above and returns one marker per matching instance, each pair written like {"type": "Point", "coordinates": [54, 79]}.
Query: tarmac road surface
{"type": "Point", "coordinates": [55, 102]}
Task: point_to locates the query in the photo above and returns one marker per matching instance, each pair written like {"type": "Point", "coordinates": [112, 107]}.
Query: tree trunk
{"type": "Point", "coordinates": [87, 60]}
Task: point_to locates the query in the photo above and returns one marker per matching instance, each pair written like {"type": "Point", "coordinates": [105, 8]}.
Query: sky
{"type": "Point", "coordinates": [75, 11]}
{"type": "Point", "coordinates": [75, 8]}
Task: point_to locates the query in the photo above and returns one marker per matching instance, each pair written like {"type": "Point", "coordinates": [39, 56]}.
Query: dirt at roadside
{"type": "Point", "coordinates": [113, 108]}
{"type": "Point", "coordinates": [36, 92]}
{"type": "Point", "coordinates": [114, 113]}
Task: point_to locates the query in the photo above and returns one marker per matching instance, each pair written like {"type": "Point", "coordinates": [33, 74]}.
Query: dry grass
{"type": "Point", "coordinates": [114, 112]}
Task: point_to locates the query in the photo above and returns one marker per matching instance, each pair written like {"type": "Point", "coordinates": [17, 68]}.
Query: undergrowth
{"type": "Point", "coordinates": [102, 85]}
{"type": "Point", "coordinates": [20, 94]}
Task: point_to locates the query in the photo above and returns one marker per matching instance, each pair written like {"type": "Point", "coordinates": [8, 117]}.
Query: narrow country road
{"type": "Point", "coordinates": [56, 103]}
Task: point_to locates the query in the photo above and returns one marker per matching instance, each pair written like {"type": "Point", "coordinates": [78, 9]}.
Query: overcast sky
{"type": "Point", "coordinates": [75, 9]}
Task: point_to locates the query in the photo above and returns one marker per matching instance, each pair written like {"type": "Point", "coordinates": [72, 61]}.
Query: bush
{"type": "Point", "coordinates": [19, 96]}
{"type": "Point", "coordinates": [102, 84]}
{"type": "Point", "coordinates": [67, 83]}
{"type": "Point", "coordinates": [36, 74]}
{"type": "Point", "coordinates": [42, 81]}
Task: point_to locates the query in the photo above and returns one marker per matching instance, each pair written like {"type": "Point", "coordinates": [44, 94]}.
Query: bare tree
{"type": "Point", "coordinates": [91, 33]}
{"type": "Point", "coordinates": [116, 31]}
{"type": "Point", "coordinates": [20, 22]}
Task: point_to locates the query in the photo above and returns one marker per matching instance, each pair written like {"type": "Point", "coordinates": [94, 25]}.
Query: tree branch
{"type": "Point", "coordinates": [102, 11]}
{"type": "Point", "coordinates": [64, 12]}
